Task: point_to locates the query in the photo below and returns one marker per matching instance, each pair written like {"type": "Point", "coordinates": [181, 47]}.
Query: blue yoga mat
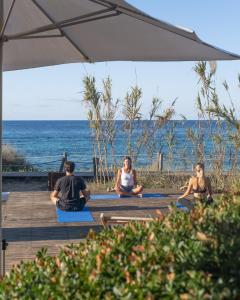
{"type": "Point", "coordinates": [153, 195]}
{"type": "Point", "coordinates": [74, 216]}
{"type": "Point", "coordinates": [182, 207]}
{"type": "Point", "coordinates": [115, 196]}
{"type": "Point", "coordinates": [104, 197]}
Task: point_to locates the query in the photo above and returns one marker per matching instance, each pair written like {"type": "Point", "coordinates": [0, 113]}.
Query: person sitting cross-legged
{"type": "Point", "coordinates": [200, 186]}
{"type": "Point", "coordinates": [66, 194]}
{"type": "Point", "coordinates": [126, 183]}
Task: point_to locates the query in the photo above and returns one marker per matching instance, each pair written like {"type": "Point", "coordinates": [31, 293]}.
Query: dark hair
{"type": "Point", "coordinates": [201, 165]}
{"type": "Point", "coordinates": [201, 180]}
{"type": "Point", "coordinates": [128, 158]}
{"type": "Point", "coordinates": [69, 166]}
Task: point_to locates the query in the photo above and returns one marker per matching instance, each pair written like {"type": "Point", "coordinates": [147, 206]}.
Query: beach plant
{"type": "Point", "coordinates": [206, 72]}
{"type": "Point", "coordinates": [131, 125]}
{"type": "Point", "coordinates": [232, 183]}
{"type": "Point", "coordinates": [178, 256]}
{"type": "Point", "coordinates": [148, 140]}
{"type": "Point", "coordinates": [213, 133]}
{"type": "Point", "coordinates": [231, 118]}
{"type": "Point", "coordinates": [110, 108]}
{"type": "Point", "coordinates": [140, 136]}
{"type": "Point", "coordinates": [182, 156]}
{"type": "Point", "coordinates": [102, 114]}
{"type": "Point", "coordinates": [12, 160]}
{"type": "Point", "coordinates": [195, 139]}
{"type": "Point", "coordinates": [226, 137]}
{"type": "Point", "coordinates": [92, 98]}
{"type": "Point", "coordinates": [171, 141]}
{"type": "Point", "coordinates": [160, 128]}
{"type": "Point", "coordinates": [146, 133]}
{"type": "Point", "coordinates": [152, 135]}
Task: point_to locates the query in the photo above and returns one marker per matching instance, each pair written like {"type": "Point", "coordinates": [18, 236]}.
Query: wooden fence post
{"type": "Point", "coordinates": [160, 161]}
{"type": "Point", "coordinates": [64, 158]}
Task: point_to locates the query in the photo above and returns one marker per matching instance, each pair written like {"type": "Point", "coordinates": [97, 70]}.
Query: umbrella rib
{"type": "Point", "coordinates": [63, 33]}
{"type": "Point", "coordinates": [148, 19]}
{"type": "Point", "coordinates": [61, 24]}
{"type": "Point", "coordinates": [38, 36]}
{"type": "Point", "coordinates": [65, 23]}
{"type": "Point", "coordinates": [8, 16]}
{"type": "Point", "coordinates": [30, 35]}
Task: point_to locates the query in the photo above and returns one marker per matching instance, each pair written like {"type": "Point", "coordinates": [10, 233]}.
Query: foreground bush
{"type": "Point", "coordinates": [180, 256]}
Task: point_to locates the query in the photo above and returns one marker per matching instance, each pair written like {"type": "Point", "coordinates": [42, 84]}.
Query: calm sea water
{"type": "Point", "coordinates": [44, 142]}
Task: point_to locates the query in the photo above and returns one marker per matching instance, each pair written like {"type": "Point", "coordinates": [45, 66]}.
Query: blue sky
{"type": "Point", "coordinates": [54, 93]}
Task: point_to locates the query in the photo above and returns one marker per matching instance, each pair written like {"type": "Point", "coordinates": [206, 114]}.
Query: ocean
{"type": "Point", "coordinates": [43, 143]}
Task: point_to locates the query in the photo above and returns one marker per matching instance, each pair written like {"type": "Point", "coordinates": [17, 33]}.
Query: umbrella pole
{"type": "Point", "coordinates": [1, 73]}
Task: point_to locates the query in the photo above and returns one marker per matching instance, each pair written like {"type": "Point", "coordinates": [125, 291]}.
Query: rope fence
{"type": "Point", "coordinates": [159, 161]}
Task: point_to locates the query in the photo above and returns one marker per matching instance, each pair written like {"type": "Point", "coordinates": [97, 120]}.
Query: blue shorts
{"type": "Point", "coordinates": [127, 189]}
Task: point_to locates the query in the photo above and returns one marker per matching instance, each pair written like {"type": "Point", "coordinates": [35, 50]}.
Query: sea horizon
{"type": "Point", "coordinates": [44, 142]}
{"type": "Point", "coordinates": [178, 120]}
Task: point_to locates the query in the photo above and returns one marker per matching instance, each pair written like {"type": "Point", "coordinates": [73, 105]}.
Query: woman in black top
{"type": "Point", "coordinates": [200, 186]}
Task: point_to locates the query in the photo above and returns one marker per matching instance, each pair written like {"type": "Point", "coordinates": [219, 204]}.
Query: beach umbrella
{"type": "Point", "coordinates": [37, 33]}
{"type": "Point", "coordinates": [42, 33]}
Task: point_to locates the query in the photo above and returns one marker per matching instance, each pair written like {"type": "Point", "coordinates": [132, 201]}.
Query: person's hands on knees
{"type": "Point", "coordinates": [86, 193]}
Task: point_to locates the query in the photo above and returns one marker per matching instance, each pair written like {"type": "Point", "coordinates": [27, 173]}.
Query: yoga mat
{"type": "Point", "coordinates": [153, 195]}
{"type": "Point", "coordinates": [182, 207]}
{"type": "Point", "coordinates": [115, 196]}
{"type": "Point", "coordinates": [5, 196]}
{"type": "Point", "coordinates": [74, 216]}
{"type": "Point", "coordinates": [104, 197]}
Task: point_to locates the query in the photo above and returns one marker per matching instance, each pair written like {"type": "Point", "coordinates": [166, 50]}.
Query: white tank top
{"type": "Point", "coordinates": [127, 178]}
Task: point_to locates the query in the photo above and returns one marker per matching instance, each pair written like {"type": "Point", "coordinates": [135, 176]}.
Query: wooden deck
{"type": "Point", "coordinates": [29, 222]}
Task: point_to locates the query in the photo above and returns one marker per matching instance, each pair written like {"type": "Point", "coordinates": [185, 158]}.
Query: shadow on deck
{"type": "Point", "coordinates": [29, 222]}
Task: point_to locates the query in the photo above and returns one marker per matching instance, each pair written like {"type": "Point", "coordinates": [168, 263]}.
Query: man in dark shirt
{"type": "Point", "coordinates": [66, 194]}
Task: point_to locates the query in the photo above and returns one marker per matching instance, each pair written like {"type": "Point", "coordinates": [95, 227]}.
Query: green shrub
{"type": "Point", "coordinates": [180, 256]}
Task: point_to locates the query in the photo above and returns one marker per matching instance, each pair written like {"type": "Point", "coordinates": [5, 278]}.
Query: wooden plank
{"type": "Point", "coordinates": [29, 222]}
{"type": "Point", "coordinates": [106, 221]}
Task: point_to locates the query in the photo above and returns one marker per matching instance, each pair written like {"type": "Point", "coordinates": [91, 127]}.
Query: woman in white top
{"type": "Point", "coordinates": [126, 183]}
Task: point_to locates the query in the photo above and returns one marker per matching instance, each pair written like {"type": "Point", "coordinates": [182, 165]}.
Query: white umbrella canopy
{"type": "Point", "coordinates": [37, 33]}
{"type": "Point", "coordinates": [42, 33]}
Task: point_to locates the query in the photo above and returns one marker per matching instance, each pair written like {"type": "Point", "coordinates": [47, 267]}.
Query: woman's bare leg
{"type": "Point", "coordinates": [134, 192]}
{"type": "Point", "coordinates": [120, 192]}
{"type": "Point", "coordinates": [137, 190]}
